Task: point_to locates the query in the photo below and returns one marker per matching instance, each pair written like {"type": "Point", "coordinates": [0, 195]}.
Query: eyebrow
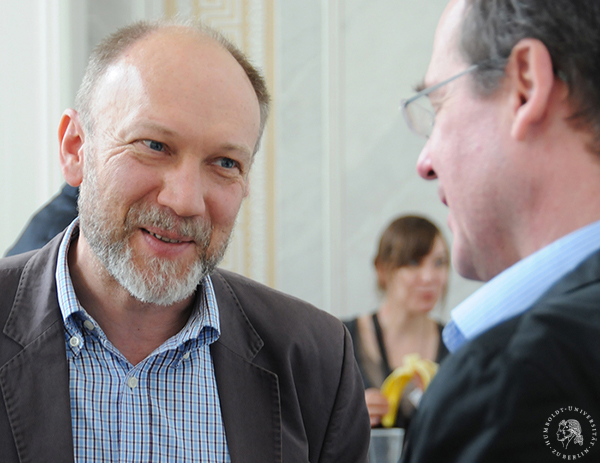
{"type": "Point", "coordinates": [158, 127]}
{"type": "Point", "coordinates": [237, 147]}
{"type": "Point", "coordinates": [171, 133]}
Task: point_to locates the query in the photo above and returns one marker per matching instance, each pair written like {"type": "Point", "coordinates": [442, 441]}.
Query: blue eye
{"type": "Point", "coordinates": [227, 163]}
{"type": "Point", "coordinates": [154, 145]}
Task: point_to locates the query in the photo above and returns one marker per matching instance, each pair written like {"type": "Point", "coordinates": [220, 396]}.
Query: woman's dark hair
{"type": "Point", "coordinates": [570, 30]}
{"type": "Point", "coordinates": [405, 241]}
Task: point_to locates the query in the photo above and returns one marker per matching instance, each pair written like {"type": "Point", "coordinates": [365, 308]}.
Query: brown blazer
{"type": "Point", "coordinates": [289, 387]}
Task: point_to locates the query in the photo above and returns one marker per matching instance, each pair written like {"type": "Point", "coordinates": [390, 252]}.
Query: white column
{"type": "Point", "coordinates": [33, 89]}
{"type": "Point", "coordinates": [333, 156]}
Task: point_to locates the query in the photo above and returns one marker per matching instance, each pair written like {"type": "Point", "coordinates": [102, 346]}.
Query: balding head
{"type": "Point", "coordinates": [115, 46]}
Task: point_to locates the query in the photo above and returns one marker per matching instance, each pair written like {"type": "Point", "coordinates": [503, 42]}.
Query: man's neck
{"type": "Point", "coordinates": [560, 197]}
{"type": "Point", "coordinates": [135, 328]}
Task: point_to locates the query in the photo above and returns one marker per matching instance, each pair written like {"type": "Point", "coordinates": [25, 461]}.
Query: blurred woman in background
{"type": "Point", "coordinates": [412, 266]}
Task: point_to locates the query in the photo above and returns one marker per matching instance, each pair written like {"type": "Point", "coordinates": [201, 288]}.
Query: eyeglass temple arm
{"type": "Point", "coordinates": [428, 90]}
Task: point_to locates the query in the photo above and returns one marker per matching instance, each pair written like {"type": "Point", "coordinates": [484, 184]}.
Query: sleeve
{"type": "Point", "coordinates": [48, 222]}
{"type": "Point", "coordinates": [348, 431]}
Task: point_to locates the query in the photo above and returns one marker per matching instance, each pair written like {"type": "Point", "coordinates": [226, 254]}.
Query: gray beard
{"type": "Point", "coordinates": [156, 281]}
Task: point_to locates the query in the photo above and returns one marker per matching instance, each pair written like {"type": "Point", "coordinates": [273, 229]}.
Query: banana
{"type": "Point", "coordinates": [393, 386]}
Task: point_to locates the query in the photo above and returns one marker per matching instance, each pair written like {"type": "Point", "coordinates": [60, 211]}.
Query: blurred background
{"type": "Point", "coordinates": [337, 162]}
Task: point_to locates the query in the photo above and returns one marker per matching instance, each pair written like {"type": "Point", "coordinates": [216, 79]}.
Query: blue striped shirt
{"type": "Point", "coordinates": [164, 409]}
{"type": "Point", "coordinates": [515, 290]}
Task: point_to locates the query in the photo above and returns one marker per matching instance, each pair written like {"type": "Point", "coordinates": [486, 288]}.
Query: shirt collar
{"type": "Point", "coordinates": [204, 317]}
{"type": "Point", "coordinates": [516, 289]}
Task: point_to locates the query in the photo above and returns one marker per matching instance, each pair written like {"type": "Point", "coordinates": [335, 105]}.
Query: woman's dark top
{"type": "Point", "coordinates": [374, 374]}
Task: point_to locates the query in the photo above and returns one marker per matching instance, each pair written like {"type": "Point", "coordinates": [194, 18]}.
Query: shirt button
{"type": "Point", "coordinates": [186, 356]}
{"type": "Point", "coordinates": [74, 341]}
{"type": "Point", "coordinates": [132, 382]}
{"type": "Point", "coordinates": [88, 324]}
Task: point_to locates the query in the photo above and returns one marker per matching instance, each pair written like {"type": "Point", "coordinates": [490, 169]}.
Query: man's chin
{"type": "Point", "coordinates": [463, 263]}
{"type": "Point", "coordinates": [155, 281]}
{"type": "Point", "coordinates": [159, 280]}
{"type": "Point", "coordinates": [160, 298]}
{"type": "Point", "coordinates": [161, 289]}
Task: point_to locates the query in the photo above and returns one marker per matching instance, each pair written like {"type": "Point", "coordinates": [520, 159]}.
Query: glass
{"type": "Point", "coordinates": [386, 445]}
{"type": "Point", "coordinates": [419, 115]}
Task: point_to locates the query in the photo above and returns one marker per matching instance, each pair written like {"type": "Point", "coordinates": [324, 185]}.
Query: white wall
{"type": "Point", "coordinates": [337, 162]}
{"type": "Point", "coordinates": [42, 55]}
{"type": "Point", "coordinates": [29, 102]}
{"type": "Point", "coordinates": [345, 158]}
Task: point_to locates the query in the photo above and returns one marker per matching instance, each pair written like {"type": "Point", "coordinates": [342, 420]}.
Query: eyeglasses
{"type": "Point", "coordinates": [420, 119]}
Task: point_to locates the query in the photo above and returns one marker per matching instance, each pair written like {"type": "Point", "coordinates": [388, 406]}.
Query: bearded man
{"type": "Point", "coordinates": [120, 340]}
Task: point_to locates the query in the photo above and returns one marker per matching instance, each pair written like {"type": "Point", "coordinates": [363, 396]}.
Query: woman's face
{"type": "Point", "coordinates": [418, 286]}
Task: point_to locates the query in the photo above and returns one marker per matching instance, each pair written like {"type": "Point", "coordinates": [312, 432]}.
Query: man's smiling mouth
{"type": "Point", "coordinates": [164, 238]}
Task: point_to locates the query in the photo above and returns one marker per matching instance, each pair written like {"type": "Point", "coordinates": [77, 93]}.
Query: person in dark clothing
{"type": "Point", "coordinates": [49, 221]}
{"type": "Point", "coordinates": [513, 143]}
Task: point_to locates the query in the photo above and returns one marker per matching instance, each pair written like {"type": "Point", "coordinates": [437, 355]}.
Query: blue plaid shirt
{"type": "Point", "coordinates": [164, 409]}
{"type": "Point", "coordinates": [515, 290]}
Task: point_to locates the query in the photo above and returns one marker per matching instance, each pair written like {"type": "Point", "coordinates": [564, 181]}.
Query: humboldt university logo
{"type": "Point", "coordinates": [570, 433]}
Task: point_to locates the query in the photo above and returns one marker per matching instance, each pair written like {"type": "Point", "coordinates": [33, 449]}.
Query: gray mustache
{"type": "Point", "coordinates": [141, 216]}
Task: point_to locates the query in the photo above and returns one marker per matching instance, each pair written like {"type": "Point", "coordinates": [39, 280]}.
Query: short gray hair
{"type": "Point", "coordinates": [112, 47]}
{"type": "Point", "coordinates": [570, 30]}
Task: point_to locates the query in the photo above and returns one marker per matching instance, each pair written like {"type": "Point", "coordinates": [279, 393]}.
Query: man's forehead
{"type": "Point", "coordinates": [446, 58]}
{"type": "Point", "coordinates": [121, 73]}
{"type": "Point", "coordinates": [175, 59]}
{"type": "Point", "coordinates": [173, 45]}
{"type": "Point", "coordinates": [155, 52]}
{"type": "Point", "coordinates": [122, 82]}
{"type": "Point", "coordinates": [178, 78]}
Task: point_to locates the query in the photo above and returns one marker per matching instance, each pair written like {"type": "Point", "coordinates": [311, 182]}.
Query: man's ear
{"type": "Point", "coordinates": [71, 138]}
{"type": "Point", "coordinates": [531, 78]}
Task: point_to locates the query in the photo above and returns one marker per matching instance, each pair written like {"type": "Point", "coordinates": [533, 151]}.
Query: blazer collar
{"type": "Point", "coordinates": [249, 393]}
{"type": "Point", "coordinates": [35, 382]}
{"type": "Point", "coordinates": [35, 307]}
{"type": "Point", "coordinates": [586, 273]}
{"type": "Point", "coordinates": [237, 333]}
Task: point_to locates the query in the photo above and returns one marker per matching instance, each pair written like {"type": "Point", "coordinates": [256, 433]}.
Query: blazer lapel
{"type": "Point", "coordinates": [249, 394]}
{"type": "Point", "coordinates": [35, 382]}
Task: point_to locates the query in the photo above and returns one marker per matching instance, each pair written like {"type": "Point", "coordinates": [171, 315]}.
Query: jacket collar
{"type": "Point", "coordinates": [588, 272]}
{"type": "Point", "coordinates": [249, 394]}
{"type": "Point", "coordinates": [35, 307]}
{"type": "Point", "coordinates": [35, 382]}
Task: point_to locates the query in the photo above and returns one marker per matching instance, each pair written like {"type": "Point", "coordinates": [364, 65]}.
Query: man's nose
{"type": "Point", "coordinates": [425, 166]}
{"type": "Point", "coordinates": [183, 189]}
